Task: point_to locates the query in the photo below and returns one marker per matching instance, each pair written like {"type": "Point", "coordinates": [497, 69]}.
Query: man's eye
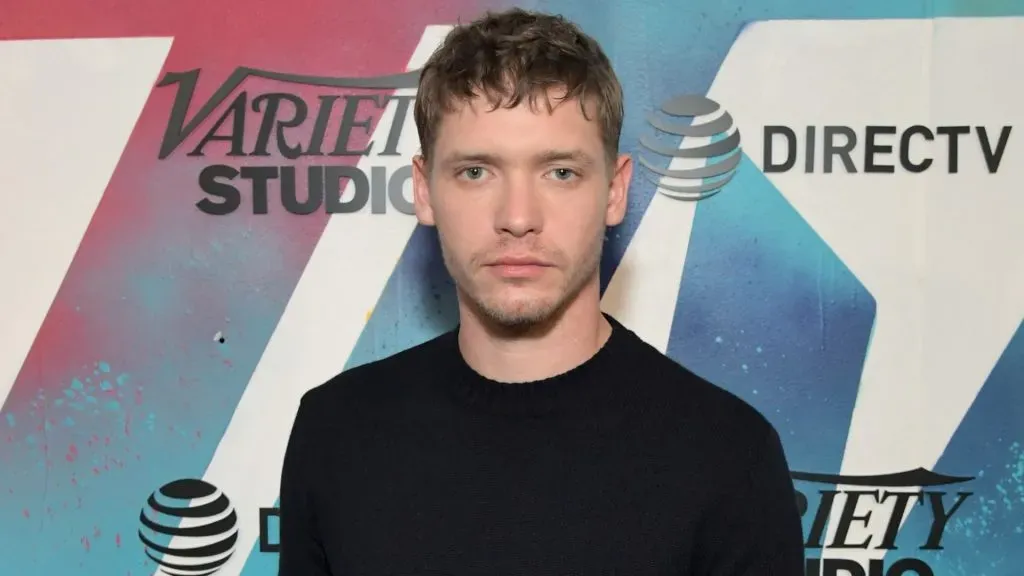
{"type": "Point", "coordinates": [563, 173]}
{"type": "Point", "coordinates": [472, 173]}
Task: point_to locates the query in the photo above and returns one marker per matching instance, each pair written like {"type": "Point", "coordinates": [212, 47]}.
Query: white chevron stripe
{"type": "Point", "coordinates": [318, 331]}
{"type": "Point", "coordinates": [940, 252]}
{"type": "Point", "coordinates": [643, 291]}
{"type": "Point", "coordinates": [646, 282]}
{"type": "Point", "coordinates": [67, 108]}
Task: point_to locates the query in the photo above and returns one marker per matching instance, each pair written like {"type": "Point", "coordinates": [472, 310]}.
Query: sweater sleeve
{"type": "Point", "coordinates": [755, 528]}
{"type": "Point", "coordinates": [301, 550]}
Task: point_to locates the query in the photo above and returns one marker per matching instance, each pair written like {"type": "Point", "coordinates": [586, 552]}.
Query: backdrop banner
{"type": "Point", "coordinates": [207, 211]}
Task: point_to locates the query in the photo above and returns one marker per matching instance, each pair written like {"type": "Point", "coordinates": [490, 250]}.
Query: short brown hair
{"type": "Point", "coordinates": [515, 54]}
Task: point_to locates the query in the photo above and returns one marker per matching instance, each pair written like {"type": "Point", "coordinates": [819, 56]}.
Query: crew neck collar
{"type": "Point", "coordinates": [572, 388]}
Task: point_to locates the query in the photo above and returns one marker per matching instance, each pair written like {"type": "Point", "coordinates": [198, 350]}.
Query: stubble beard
{"type": "Point", "coordinates": [526, 312]}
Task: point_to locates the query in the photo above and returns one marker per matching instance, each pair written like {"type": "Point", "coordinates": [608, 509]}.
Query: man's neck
{"type": "Point", "coordinates": [568, 341]}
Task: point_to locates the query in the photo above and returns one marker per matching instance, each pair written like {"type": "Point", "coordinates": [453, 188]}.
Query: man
{"type": "Point", "coordinates": [541, 437]}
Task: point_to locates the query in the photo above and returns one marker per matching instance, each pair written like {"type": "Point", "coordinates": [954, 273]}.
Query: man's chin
{"type": "Point", "coordinates": [519, 312]}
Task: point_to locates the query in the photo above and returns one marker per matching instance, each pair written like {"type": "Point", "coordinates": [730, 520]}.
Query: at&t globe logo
{"type": "Point", "coordinates": [189, 528]}
{"type": "Point", "coordinates": [708, 157]}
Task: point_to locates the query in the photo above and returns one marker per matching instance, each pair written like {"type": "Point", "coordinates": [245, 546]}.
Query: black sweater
{"type": "Point", "coordinates": [627, 465]}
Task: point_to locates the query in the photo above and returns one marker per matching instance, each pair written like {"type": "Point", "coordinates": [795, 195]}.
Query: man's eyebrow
{"type": "Point", "coordinates": [542, 157]}
{"type": "Point", "coordinates": [469, 157]}
{"type": "Point", "coordinates": [562, 155]}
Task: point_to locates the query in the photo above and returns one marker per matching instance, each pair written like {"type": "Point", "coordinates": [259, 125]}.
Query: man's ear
{"type": "Point", "coordinates": [421, 190]}
{"type": "Point", "coordinates": [618, 190]}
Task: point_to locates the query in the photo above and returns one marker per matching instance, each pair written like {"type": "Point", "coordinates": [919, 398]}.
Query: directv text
{"type": "Point", "coordinates": [880, 149]}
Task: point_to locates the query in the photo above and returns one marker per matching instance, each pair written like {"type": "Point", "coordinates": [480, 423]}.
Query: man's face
{"type": "Point", "coordinates": [521, 198]}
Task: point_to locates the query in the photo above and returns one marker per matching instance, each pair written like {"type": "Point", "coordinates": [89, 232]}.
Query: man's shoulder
{"type": "Point", "coordinates": [384, 381]}
{"type": "Point", "coordinates": [698, 408]}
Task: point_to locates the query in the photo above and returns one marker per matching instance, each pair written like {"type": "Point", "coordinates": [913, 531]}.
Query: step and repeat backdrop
{"type": "Point", "coordinates": [207, 211]}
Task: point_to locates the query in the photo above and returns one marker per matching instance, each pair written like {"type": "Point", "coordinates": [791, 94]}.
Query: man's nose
{"type": "Point", "coordinates": [520, 207]}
